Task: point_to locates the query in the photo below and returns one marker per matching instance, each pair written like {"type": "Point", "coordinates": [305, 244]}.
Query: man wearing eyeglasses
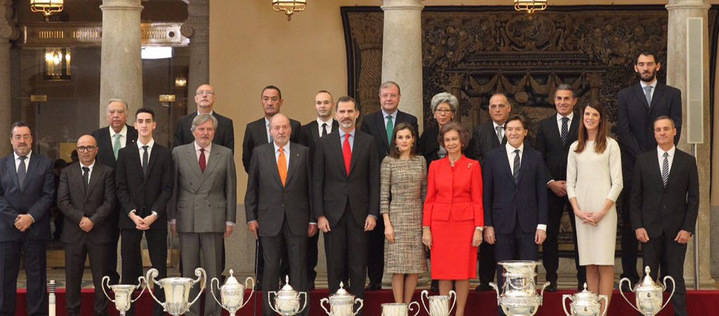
{"type": "Point", "coordinates": [27, 188]}
{"type": "Point", "coordinates": [86, 196]}
{"type": "Point", "coordinates": [205, 99]}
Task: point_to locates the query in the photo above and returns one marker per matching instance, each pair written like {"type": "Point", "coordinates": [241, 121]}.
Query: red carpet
{"type": "Point", "coordinates": [699, 303]}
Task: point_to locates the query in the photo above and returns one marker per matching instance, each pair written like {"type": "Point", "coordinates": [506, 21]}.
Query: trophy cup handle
{"type": "Point", "coordinates": [606, 304]}
{"type": "Point", "coordinates": [252, 289]}
{"type": "Point", "coordinates": [422, 296]}
{"type": "Point", "coordinates": [450, 294]}
{"type": "Point", "coordinates": [496, 289]}
{"type": "Point", "coordinates": [665, 287]}
{"type": "Point", "coordinates": [305, 303]}
{"type": "Point", "coordinates": [322, 304]}
{"type": "Point", "coordinates": [140, 284]}
{"type": "Point", "coordinates": [269, 302]}
{"type": "Point", "coordinates": [202, 278]}
{"type": "Point", "coordinates": [212, 290]}
{"type": "Point", "coordinates": [622, 293]}
{"type": "Point", "coordinates": [409, 307]}
{"type": "Point", "coordinates": [361, 304]}
{"type": "Point", "coordinates": [564, 303]}
{"type": "Point", "coordinates": [106, 280]}
{"type": "Point", "coordinates": [544, 287]}
{"type": "Point", "coordinates": [150, 280]}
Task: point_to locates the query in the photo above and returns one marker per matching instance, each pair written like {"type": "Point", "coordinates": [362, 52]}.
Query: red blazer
{"type": "Point", "coordinates": [454, 193]}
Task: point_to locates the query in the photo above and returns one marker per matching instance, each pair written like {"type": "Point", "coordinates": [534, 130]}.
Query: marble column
{"type": "Point", "coordinates": [676, 68]}
{"type": "Point", "coordinates": [121, 64]}
{"type": "Point", "coordinates": [197, 28]}
{"type": "Point", "coordinates": [8, 32]}
{"type": "Point", "coordinates": [402, 52]}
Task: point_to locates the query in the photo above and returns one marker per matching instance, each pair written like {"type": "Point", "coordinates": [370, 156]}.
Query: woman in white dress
{"type": "Point", "coordinates": [594, 181]}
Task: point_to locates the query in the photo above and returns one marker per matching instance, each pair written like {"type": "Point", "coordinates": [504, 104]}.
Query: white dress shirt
{"type": "Point", "coordinates": [392, 115]}
{"type": "Point", "coordinates": [569, 123]}
{"type": "Point", "coordinates": [329, 126]}
{"type": "Point", "coordinates": [286, 149]}
{"type": "Point", "coordinates": [267, 127]}
{"type": "Point", "coordinates": [27, 161]}
{"type": "Point", "coordinates": [653, 85]}
{"type": "Point", "coordinates": [149, 149]}
{"type": "Point", "coordinates": [670, 157]}
{"type": "Point", "coordinates": [89, 173]}
{"type": "Point", "coordinates": [208, 149]}
{"type": "Point", "coordinates": [123, 136]}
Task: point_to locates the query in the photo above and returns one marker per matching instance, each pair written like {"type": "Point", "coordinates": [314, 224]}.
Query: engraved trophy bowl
{"type": "Point", "coordinates": [232, 293]}
{"type": "Point", "coordinates": [519, 292]}
{"type": "Point", "coordinates": [648, 294]}
{"type": "Point", "coordinates": [585, 303]}
{"type": "Point", "coordinates": [123, 293]}
{"type": "Point", "coordinates": [341, 303]}
{"type": "Point", "coordinates": [287, 300]}
{"type": "Point", "coordinates": [177, 290]}
{"type": "Point", "coordinates": [399, 309]}
{"type": "Point", "coordinates": [438, 304]}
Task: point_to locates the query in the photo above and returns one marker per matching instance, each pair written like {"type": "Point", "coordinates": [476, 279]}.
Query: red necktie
{"type": "Point", "coordinates": [347, 153]}
{"type": "Point", "coordinates": [203, 161]}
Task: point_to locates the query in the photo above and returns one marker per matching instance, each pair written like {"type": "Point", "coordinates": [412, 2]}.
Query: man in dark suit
{"type": "Point", "coordinates": [637, 107]}
{"type": "Point", "coordinates": [278, 200]}
{"type": "Point", "coordinates": [86, 195]}
{"type": "Point", "coordinates": [554, 136]}
{"type": "Point", "coordinates": [345, 177]}
{"type": "Point", "coordinates": [665, 204]}
{"type": "Point", "coordinates": [27, 189]}
{"type": "Point", "coordinates": [324, 125]}
{"type": "Point", "coordinates": [380, 125]}
{"type": "Point", "coordinates": [110, 139]}
{"type": "Point", "coordinates": [486, 137]}
{"type": "Point", "coordinates": [205, 99]}
{"type": "Point", "coordinates": [144, 185]}
{"type": "Point", "coordinates": [515, 197]}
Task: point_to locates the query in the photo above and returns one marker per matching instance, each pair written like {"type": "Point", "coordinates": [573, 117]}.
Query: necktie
{"type": "Point", "coordinates": [144, 160]}
{"type": "Point", "coordinates": [85, 177]}
{"type": "Point", "coordinates": [269, 135]}
{"type": "Point", "coordinates": [347, 153]}
{"type": "Point", "coordinates": [390, 128]}
{"type": "Point", "coordinates": [282, 166]}
{"type": "Point", "coordinates": [565, 129]}
{"type": "Point", "coordinates": [21, 171]}
{"type": "Point", "coordinates": [116, 145]}
{"type": "Point", "coordinates": [665, 169]}
{"type": "Point", "coordinates": [203, 161]}
{"type": "Point", "coordinates": [324, 129]}
{"type": "Point", "coordinates": [515, 171]}
{"type": "Point", "coordinates": [648, 95]}
{"type": "Point", "coordinates": [499, 133]}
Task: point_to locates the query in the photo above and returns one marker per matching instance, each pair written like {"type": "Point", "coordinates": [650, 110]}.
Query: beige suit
{"type": "Point", "coordinates": [202, 204]}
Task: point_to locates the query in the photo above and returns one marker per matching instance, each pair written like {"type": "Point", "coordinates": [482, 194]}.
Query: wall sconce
{"type": "Point", "coordinates": [58, 64]}
{"type": "Point", "coordinates": [180, 82]}
{"type": "Point", "coordinates": [530, 5]}
{"type": "Point", "coordinates": [289, 6]}
{"type": "Point", "coordinates": [46, 7]}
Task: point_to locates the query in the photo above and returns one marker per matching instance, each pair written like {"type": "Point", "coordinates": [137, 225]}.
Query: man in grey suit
{"type": "Point", "coordinates": [203, 204]}
{"type": "Point", "coordinates": [278, 200]}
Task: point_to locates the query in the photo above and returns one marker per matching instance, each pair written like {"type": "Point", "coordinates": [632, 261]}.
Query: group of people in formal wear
{"type": "Point", "coordinates": [383, 196]}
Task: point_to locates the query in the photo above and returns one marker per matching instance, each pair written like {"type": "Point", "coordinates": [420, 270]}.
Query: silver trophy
{"type": "Point", "coordinates": [519, 293]}
{"type": "Point", "coordinates": [648, 294]}
{"type": "Point", "coordinates": [232, 293]}
{"type": "Point", "coordinates": [341, 303]}
{"type": "Point", "coordinates": [399, 309]}
{"type": "Point", "coordinates": [287, 300]}
{"type": "Point", "coordinates": [123, 293]}
{"type": "Point", "coordinates": [585, 303]}
{"type": "Point", "coordinates": [438, 304]}
{"type": "Point", "coordinates": [177, 290]}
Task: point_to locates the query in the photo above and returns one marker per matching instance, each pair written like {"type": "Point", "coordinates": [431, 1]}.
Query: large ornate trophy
{"type": "Point", "coordinates": [342, 303]}
{"type": "Point", "coordinates": [287, 300]}
{"type": "Point", "coordinates": [438, 304]}
{"type": "Point", "coordinates": [649, 294]}
{"type": "Point", "coordinates": [123, 293]}
{"type": "Point", "coordinates": [585, 303]}
{"type": "Point", "coordinates": [232, 293]}
{"type": "Point", "coordinates": [399, 309]}
{"type": "Point", "coordinates": [177, 290]}
{"type": "Point", "coordinates": [519, 292]}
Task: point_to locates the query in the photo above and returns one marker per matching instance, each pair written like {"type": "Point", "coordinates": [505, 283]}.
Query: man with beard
{"type": "Point", "coordinates": [637, 108]}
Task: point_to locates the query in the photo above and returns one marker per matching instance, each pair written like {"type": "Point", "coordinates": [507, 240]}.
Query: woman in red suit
{"type": "Point", "coordinates": [453, 215]}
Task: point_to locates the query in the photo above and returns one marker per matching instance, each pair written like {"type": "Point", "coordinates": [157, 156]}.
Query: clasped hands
{"type": "Point", "coordinates": [142, 223]}
{"type": "Point", "coordinates": [23, 222]}
{"type": "Point", "coordinates": [591, 218]}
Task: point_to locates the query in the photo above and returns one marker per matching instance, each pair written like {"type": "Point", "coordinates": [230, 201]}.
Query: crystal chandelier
{"type": "Point", "coordinates": [530, 5]}
{"type": "Point", "coordinates": [46, 7]}
{"type": "Point", "coordinates": [289, 6]}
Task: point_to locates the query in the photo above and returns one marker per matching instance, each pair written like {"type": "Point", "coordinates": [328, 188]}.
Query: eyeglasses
{"type": "Point", "coordinates": [444, 111]}
{"type": "Point", "coordinates": [84, 149]}
{"type": "Point", "coordinates": [205, 92]}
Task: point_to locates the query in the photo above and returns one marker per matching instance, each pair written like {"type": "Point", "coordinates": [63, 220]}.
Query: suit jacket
{"type": "Point", "coordinates": [549, 144]}
{"type": "Point", "coordinates": [659, 209]}
{"type": "Point", "coordinates": [34, 198]}
{"type": "Point", "coordinates": [96, 203]}
{"type": "Point", "coordinates": [428, 144]}
{"type": "Point", "coordinates": [202, 202]}
{"type": "Point", "coordinates": [484, 139]}
{"type": "Point", "coordinates": [105, 154]}
{"type": "Point", "coordinates": [256, 134]}
{"type": "Point", "coordinates": [268, 202]}
{"type": "Point", "coordinates": [224, 134]}
{"type": "Point", "coordinates": [507, 202]}
{"type": "Point", "coordinates": [334, 190]}
{"type": "Point", "coordinates": [373, 124]}
{"type": "Point", "coordinates": [635, 119]}
{"type": "Point", "coordinates": [311, 133]}
{"type": "Point", "coordinates": [141, 193]}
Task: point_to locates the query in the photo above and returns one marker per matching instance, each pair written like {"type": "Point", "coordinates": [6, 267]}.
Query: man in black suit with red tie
{"type": "Point", "coordinates": [345, 177]}
{"type": "Point", "coordinates": [637, 107]}
{"type": "Point", "coordinates": [144, 185]}
{"type": "Point", "coordinates": [665, 204]}
{"type": "Point", "coordinates": [381, 125]}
